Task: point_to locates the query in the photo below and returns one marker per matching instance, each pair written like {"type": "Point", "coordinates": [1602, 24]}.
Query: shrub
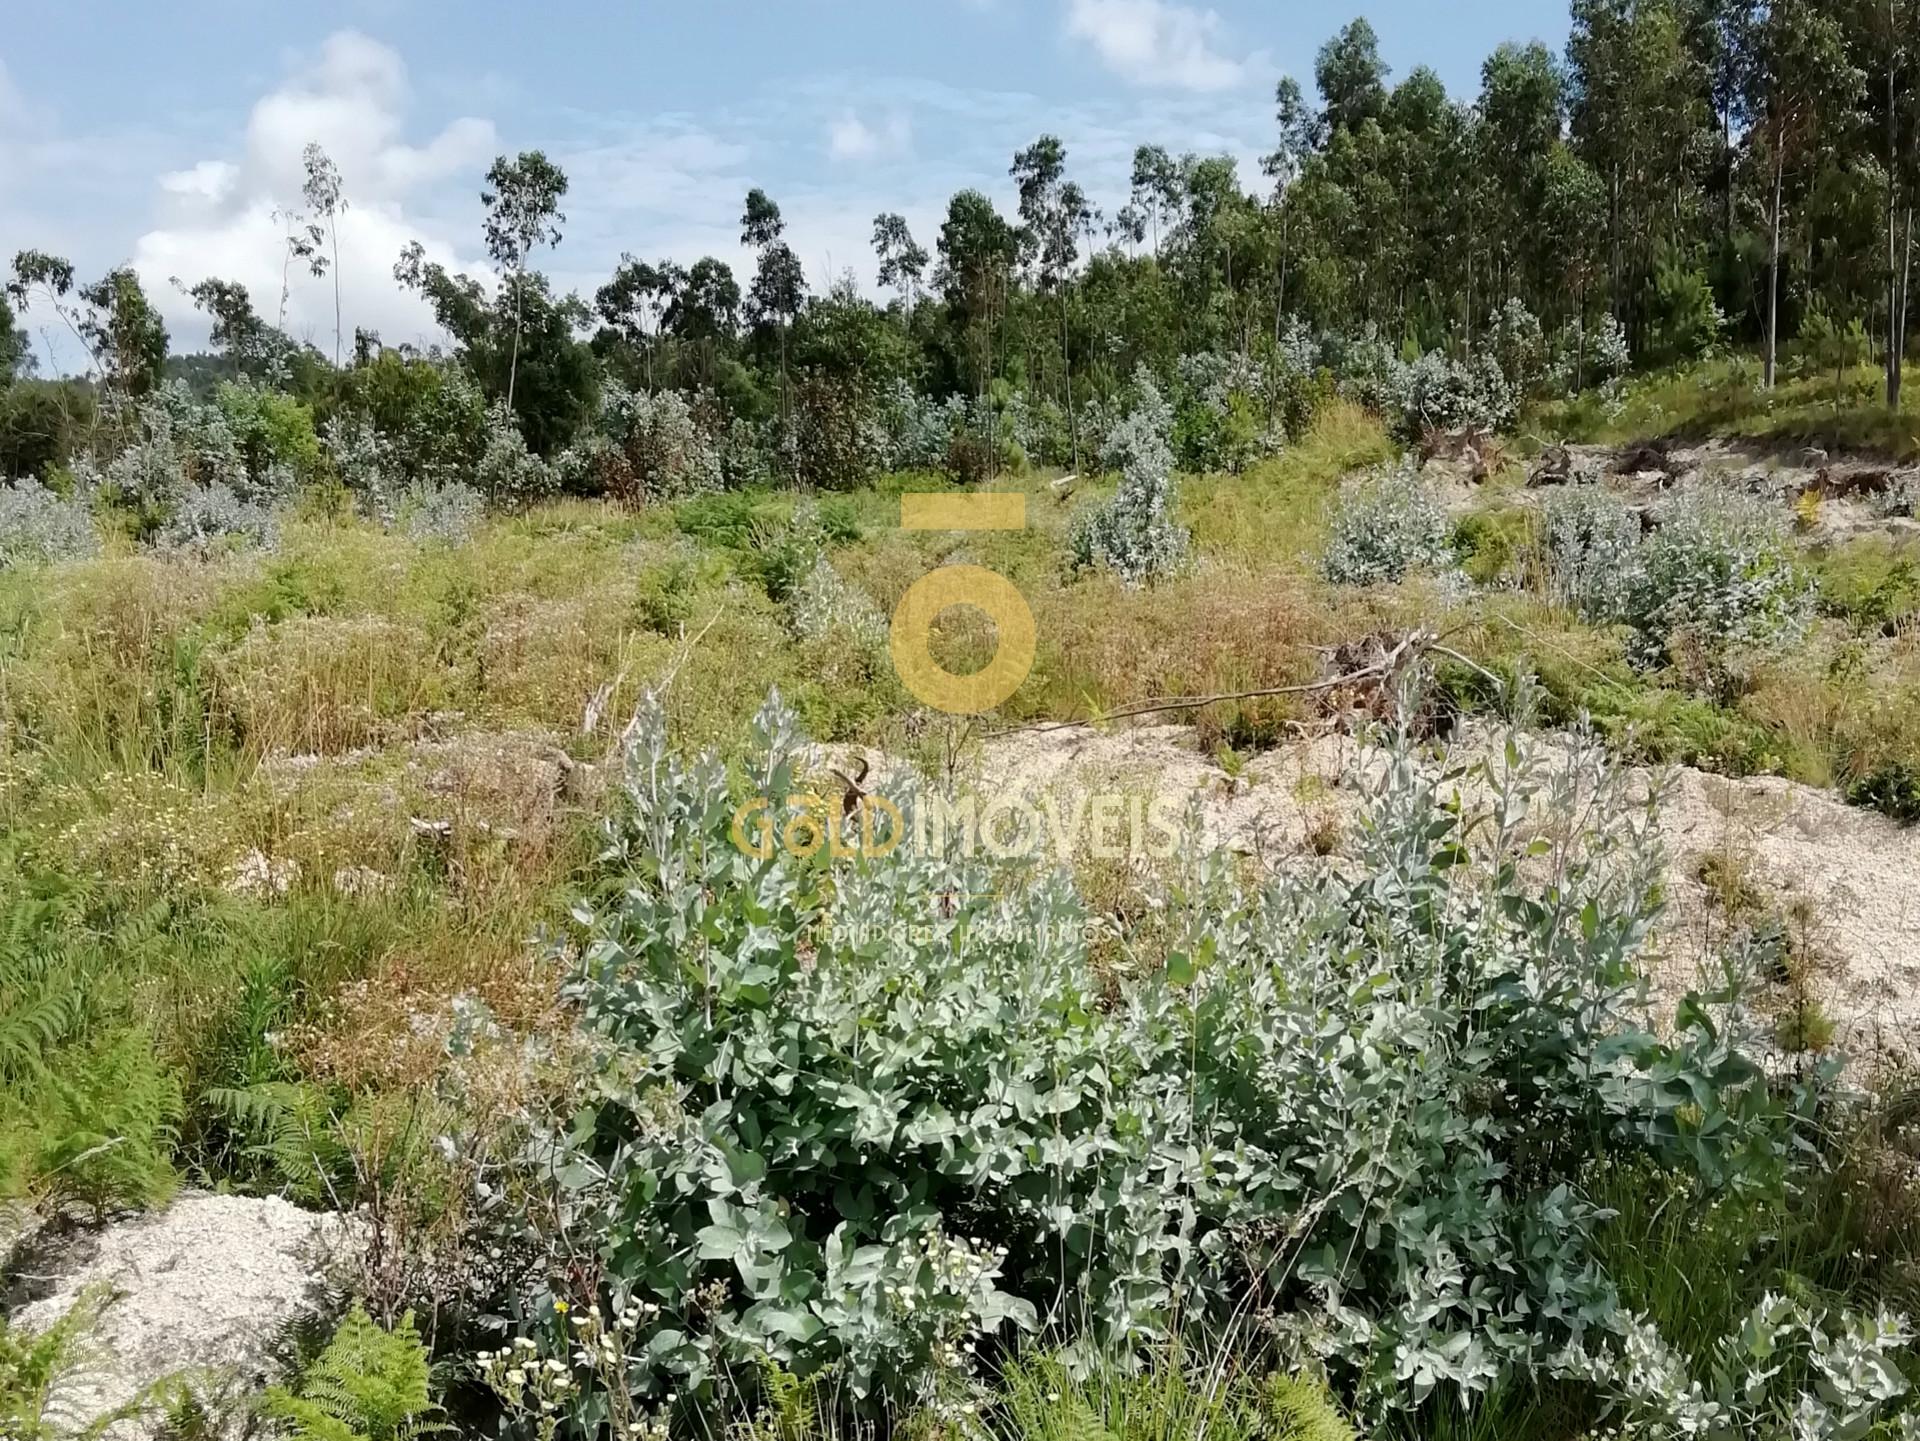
{"type": "Point", "coordinates": [37, 526]}
{"type": "Point", "coordinates": [273, 433]}
{"type": "Point", "coordinates": [833, 438]}
{"type": "Point", "coordinates": [213, 520]}
{"type": "Point", "coordinates": [1387, 526]}
{"type": "Point", "coordinates": [43, 423]}
{"type": "Point", "coordinates": [854, 1125]}
{"type": "Point", "coordinates": [1520, 348]}
{"type": "Point", "coordinates": [644, 446]}
{"type": "Point", "coordinates": [1168, 1398]}
{"type": "Point", "coordinates": [427, 420]}
{"type": "Point", "coordinates": [1135, 534]}
{"type": "Point", "coordinates": [1893, 789]}
{"type": "Point", "coordinates": [1718, 585]}
{"type": "Point", "coordinates": [507, 472]}
{"type": "Point", "coordinates": [451, 513]}
{"type": "Point", "coordinates": [1215, 425]}
{"type": "Point", "coordinates": [1437, 392]}
{"type": "Point", "coordinates": [368, 1385]}
{"type": "Point", "coordinates": [1686, 321]}
{"type": "Point", "coordinates": [1592, 543]}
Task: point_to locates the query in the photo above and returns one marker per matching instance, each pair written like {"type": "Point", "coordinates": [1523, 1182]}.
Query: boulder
{"type": "Point", "coordinates": [201, 1290]}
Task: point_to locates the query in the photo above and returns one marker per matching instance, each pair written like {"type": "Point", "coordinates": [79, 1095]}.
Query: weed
{"type": "Point", "coordinates": [1804, 1027]}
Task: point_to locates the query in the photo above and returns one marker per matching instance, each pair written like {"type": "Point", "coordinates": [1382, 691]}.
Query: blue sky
{"type": "Point", "coordinates": [168, 136]}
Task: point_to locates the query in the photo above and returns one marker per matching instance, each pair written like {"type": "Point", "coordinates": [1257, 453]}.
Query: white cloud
{"type": "Point", "coordinates": [1158, 43]}
{"type": "Point", "coordinates": [218, 217]}
{"type": "Point", "coordinates": [210, 180]}
{"type": "Point", "coordinates": [851, 138]}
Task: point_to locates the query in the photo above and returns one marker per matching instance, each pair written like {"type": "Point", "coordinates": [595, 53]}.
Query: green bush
{"type": "Point", "coordinates": [1387, 526]}
{"type": "Point", "coordinates": [368, 1385]}
{"type": "Point", "coordinates": [1047, 1397]}
{"type": "Point", "coordinates": [1893, 790]}
{"type": "Point", "coordinates": [1719, 585]}
{"type": "Point", "coordinates": [1592, 552]}
{"type": "Point", "coordinates": [851, 1123]}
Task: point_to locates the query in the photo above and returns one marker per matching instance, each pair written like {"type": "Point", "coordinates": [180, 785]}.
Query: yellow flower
{"type": "Point", "coordinates": [561, 1307]}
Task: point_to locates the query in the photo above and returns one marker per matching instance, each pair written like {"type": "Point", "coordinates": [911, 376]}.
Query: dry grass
{"type": "Point", "coordinates": [324, 686]}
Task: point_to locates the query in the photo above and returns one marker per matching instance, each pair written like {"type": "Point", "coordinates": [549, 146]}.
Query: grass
{"type": "Point", "coordinates": [267, 819]}
{"type": "Point", "coordinates": [366, 756]}
{"type": "Point", "coordinates": [1723, 397]}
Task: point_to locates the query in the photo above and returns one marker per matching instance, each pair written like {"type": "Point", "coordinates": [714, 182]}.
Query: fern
{"type": "Point", "coordinates": [35, 1367]}
{"type": "Point", "coordinates": [1301, 1410]}
{"type": "Point", "coordinates": [289, 1128]}
{"type": "Point", "coordinates": [42, 994]}
{"type": "Point", "coordinates": [368, 1385]}
{"type": "Point", "coordinates": [108, 1115]}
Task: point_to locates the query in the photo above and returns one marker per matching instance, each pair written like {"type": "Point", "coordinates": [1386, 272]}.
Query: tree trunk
{"type": "Point", "coordinates": [1900, 327]}
{"type": "Point", "coordinates": [1893, 268]}
{"type": "Point", "coordinates": [513, 364]}
{"type": "Point", "coordinates": [1773, 272]}
{"type": "Point", "coordinates": [1066, 362]}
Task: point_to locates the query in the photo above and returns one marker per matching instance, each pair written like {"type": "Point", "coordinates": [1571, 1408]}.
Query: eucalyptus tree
{"type": "Point", "coordinates": [903, 260]}
{"type": "Point", "coordinates": [326, 202]}
{"type": "Point", "coordinates": [118, 328]}
{"type": "Point", "coordinates": [15, 358]}
{"type": "Point", "coordinates": [1157, 189]}
{"type": "Point", "coordinates": [1884, 39]}
{"type": "Point", "coordinates": [636, 292]}
{"type": "Point", "coordinates": [125, 330]}
{"type": "Point", "coordinates": [703, 309]}
{"type": "Point", "coordinates": [522, 200]}
{"type": "Point", "coordinates": [1351, 76]}
{"type": "Point", "coordinates": [1522, 107]}
{"type": "Point", "coordinates": [40, 278]}
{"type": "Point", "coordinates": [977, 252]}
{"type": "Point", "coordinates": [1298, 136]}
{"type": "Point", "coordinates": [238, 332]}
{"type": "Point", "coordinates": [1639, 110]}
{"type": "Point", "coordinates": [1801, 79]}
{"type": "Point", "coordinates": [1056, 213]}
{"type": "Point", "coordinates": [779, 286]}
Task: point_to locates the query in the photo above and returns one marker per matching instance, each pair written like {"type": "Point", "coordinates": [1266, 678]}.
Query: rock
{"type": "Point", "coordinates": [201, 1289]}
{"type": "Point", "coordinates": [1562, 465]}
{"type": "Point", "coordinates": [1652, 458]}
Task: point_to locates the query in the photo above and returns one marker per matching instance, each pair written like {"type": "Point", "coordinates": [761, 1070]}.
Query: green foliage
{"type": "Point", "coordinates": [1870, 582]}
{"type": "Point", "coordinates": [36, 1367]}
{"type": "Point", "coordinates": [1137, 533]}
{"type": "Point", "coordinates": [88, 1112]}
{"type": "Point", "coordinates": [1686, 322]}
{"type": "Point", "coordinates": [1893, 789]}
{"type": "Point", "coordinates": [1592, 552]}
{"type": "Point", "coordinates": [1718, 586]}
{"type": "Point", "coordinates": [369, 1384]}
{"type": "Point", "coordinates": [43, 423]}
{"type": "Point", "coordinates": [866, 1152]}
{"type": "Point", "coordinates": [1387, 525]}
{"type": "Point", "coordinates": [1168, 1396]}
{"type": "Point", "coordinates": [1493, 544]}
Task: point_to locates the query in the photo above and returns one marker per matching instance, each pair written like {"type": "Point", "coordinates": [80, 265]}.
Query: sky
{"type": "Point", "coordinates": [167, 136]}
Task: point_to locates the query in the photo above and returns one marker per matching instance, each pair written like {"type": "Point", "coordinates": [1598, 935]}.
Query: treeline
{"type": "Point", "coordinates": [1689, 173]}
